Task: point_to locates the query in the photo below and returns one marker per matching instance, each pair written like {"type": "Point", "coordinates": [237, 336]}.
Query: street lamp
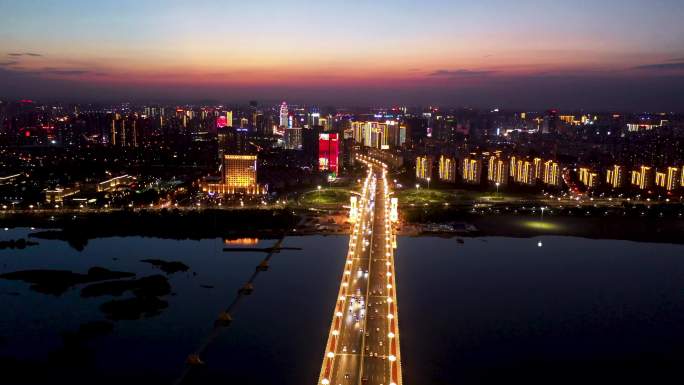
{"type": "Point", "coordinates": [542, 211]}
{"type": "Point", "coordinates": [417, 186]}
{"type": "Point", "coordinates": [497, 188]}
{"type": "Point", "coordinates": [428, 179]}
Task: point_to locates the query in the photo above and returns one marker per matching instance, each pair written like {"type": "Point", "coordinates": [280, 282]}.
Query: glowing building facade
{"type": "Point", "coordinates": [424, 167]}
{"type": "Point", "coordinates": [497, 171]}
{"type": "Point", "coordinates": [552, 173]}
{"type": "Point", "coordinates": [381, 135]}
{"type": "Point", "coordinates": [284, 115]}
{"type": "Point", "coordinates": [615, 177]}
{"type": "Point", "coordinates": [524, 172]}
{"type": "Point", "coordinates": [588, 177]}
{"type": "Point", "coordinates": [328, 152]}
{"type": "Point", "coordinates": [447, 169]}
{"type": "Point", "coordinates": [668, 179]}
{"type": "Point", "coordinates": [642, 178]}
{"type": "Point", "coordinates": [472, 170]}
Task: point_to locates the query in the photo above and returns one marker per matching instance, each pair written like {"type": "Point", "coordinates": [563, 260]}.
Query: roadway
{"type": "Point", "coordinates": [363, 343]}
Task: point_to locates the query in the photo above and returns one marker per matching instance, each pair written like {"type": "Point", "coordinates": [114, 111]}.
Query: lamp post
{"type": "Point", "coordinates": [428, 180]}
{"type": "Point", "coordinates": [497, 188]}
{"type": "Point", "coordinates": [542, 215]}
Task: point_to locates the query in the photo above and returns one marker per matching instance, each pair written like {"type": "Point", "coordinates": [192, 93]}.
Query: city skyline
{"type": "Point", "coordinates": [531, 54]}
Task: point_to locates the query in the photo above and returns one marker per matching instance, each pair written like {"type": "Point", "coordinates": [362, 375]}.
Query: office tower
{"type": "Point", "coordinates": [284, 115]}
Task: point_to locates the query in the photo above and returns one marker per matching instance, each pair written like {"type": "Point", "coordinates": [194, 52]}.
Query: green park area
{"type": "Point", "coordinates": [325, 196]}
{"type": "Point", "coordinates": [422, 196]}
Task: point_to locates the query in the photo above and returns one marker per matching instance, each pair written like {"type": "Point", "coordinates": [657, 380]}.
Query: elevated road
{"type": "Point", "coordinates": [363, 343]}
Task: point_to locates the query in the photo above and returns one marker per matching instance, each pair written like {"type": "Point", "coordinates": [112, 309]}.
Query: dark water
{"type": "Point", "coordinates": [482, 312]}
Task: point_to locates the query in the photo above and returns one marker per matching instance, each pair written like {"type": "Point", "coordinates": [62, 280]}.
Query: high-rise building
{"type": "Point", "coordinates": [643, 178]}
{"type": "Point", "coordinates": [293, 138]}
{"type": "Point", "coordinates": [238, 176]}
{"type": "Point", "coordinates": [615, 177]}
{"type": "Point", "coordinates": [524, 172]}
{"type": "Point", "coordinates": [381, 135]}
{"type": "Point", "coordinates": [424, 167]}
{"type": "Point", "coordinates": [229, 118]}
{"type": "Point", "coordinates": [498, 171]}
{"type": "Point", "coordinates": [447, 169]}
{"type": "Point", "coordinates": [472, 170]}
{"type": "Point", "coordinates": [672, 178]}
{"type": "Point", "coordinates": [328, 152]}
{"type": "Point", "coordinates": [284, 115]}
{"type": "Point", "coordinates": [232, 140]}
{"type": "Point", "coordinates": [552, 173]}
{"type": "Point", "coordinates": [588, 177]}
{"type": "Point", "coordinates": [310, 139]}
{"type": "Point", "coordinates": [669, 180]}
{"type": "Point", "coordinates": [239, 171]}
{"type": "Point", "coordinates": [537, 168]}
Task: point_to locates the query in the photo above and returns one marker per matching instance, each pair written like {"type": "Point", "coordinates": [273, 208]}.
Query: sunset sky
{"type": "Point", "coordinates": [574, 54]}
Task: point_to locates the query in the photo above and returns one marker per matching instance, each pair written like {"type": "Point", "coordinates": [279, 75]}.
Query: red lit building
{"type": "Point", "coordinates": [221, 122]}
{"type": "Point", "coordinates": [328, 152]}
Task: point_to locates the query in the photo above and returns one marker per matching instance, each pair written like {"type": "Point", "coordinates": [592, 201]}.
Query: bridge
{"type": "Point", "coordinates": [363, 342]}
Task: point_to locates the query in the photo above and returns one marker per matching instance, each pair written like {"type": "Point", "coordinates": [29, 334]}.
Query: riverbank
{"type": "Point", "coordinates": [646, 229]}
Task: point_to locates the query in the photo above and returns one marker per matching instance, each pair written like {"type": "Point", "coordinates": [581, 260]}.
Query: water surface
{"type": "Point", "coordinates": [484, 311]}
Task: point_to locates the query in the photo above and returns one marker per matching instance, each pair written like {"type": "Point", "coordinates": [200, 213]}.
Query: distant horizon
{"type": "Point", "coordinates": [606, 55]}
{"type": "Point", "coordinates": [207, 102]}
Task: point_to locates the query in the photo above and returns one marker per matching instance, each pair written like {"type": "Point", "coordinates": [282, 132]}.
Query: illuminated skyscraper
{"type": "Point", "coordinates": [284, 115]}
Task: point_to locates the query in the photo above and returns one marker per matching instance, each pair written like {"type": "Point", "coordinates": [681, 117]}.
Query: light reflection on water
{"type": "Point", "coordinates": [482, 311]}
